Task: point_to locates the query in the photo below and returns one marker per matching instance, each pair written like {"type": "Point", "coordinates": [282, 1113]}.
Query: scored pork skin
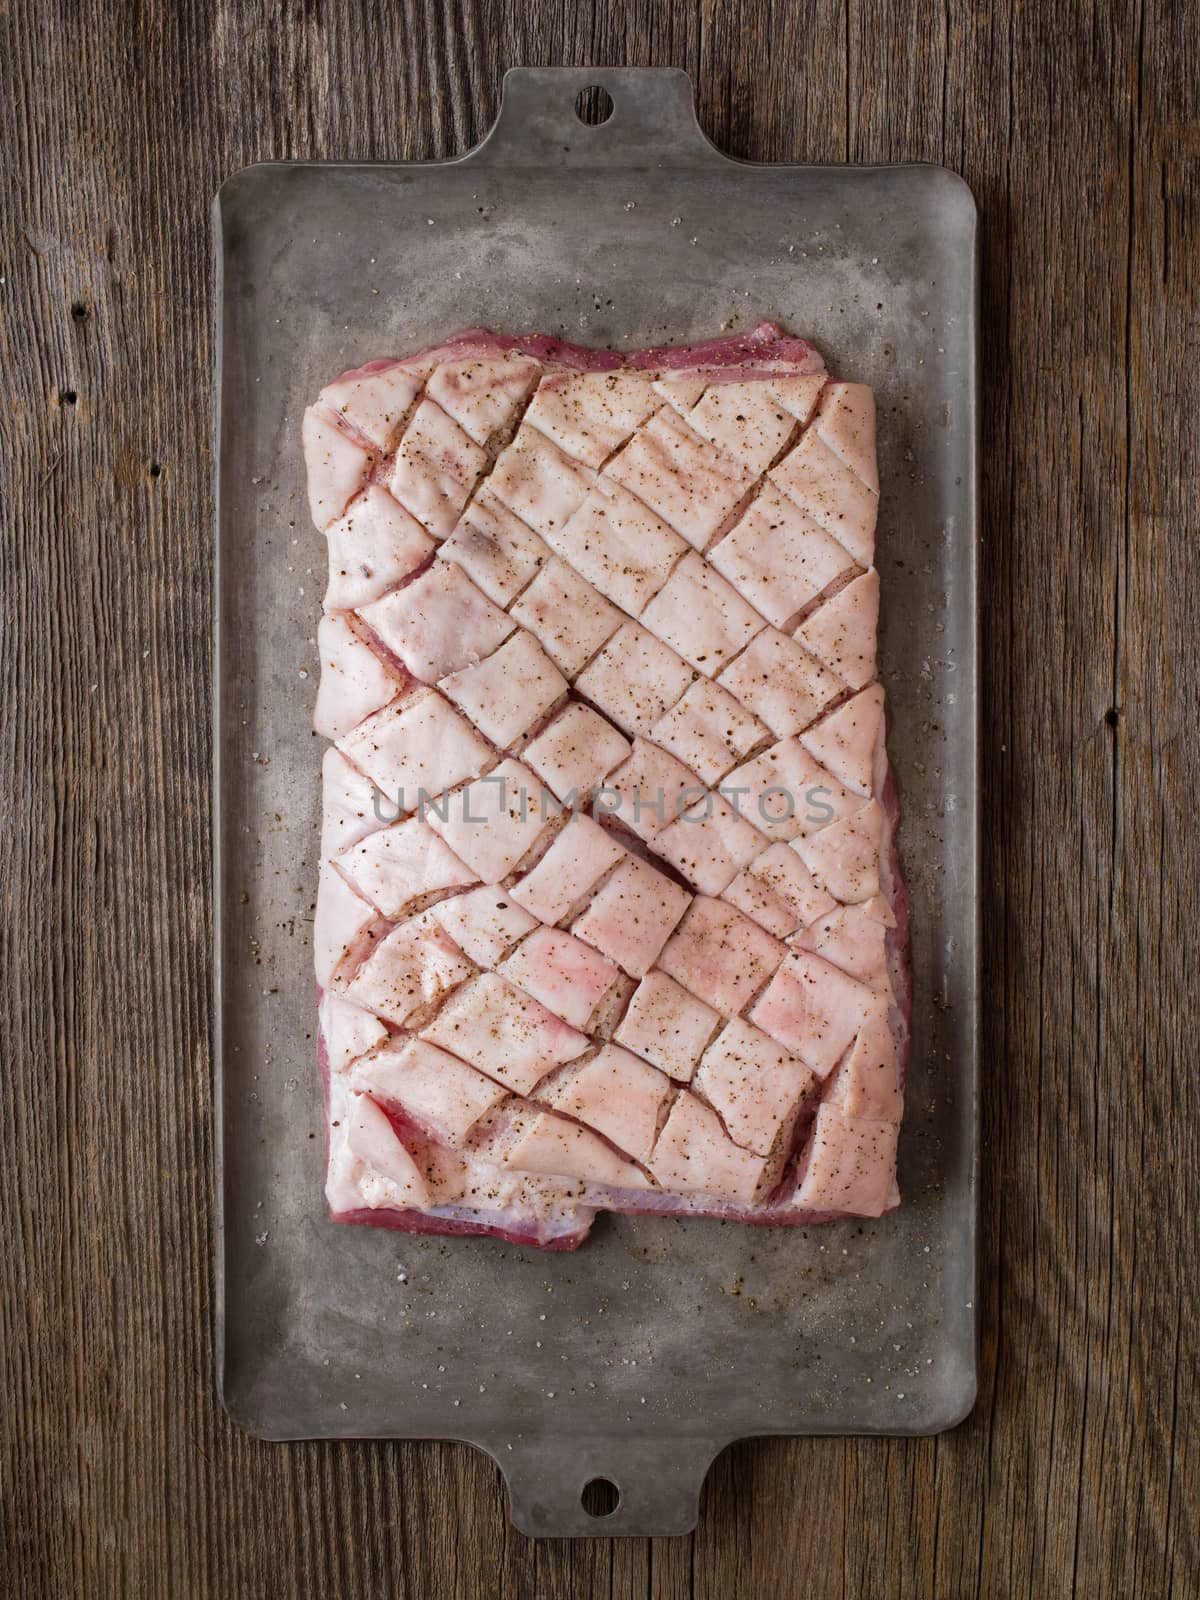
{"type": "Point", "coordinates": [668, 555]}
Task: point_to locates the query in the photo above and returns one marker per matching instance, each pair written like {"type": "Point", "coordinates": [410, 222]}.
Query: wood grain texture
{"type": "Point", "coordinates": [1079, 130]}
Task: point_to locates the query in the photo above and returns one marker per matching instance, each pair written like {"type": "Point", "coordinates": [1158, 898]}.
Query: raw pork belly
{"type": "Point", "coordinates": [609, 914]}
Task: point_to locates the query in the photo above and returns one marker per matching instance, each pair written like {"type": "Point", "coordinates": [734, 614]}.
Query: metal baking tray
{"type": "Point", "coordinates": [638, 1358]}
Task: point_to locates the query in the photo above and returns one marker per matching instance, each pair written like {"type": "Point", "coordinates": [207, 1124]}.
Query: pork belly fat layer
{"type": "Point", "coordinates": [610, 913]}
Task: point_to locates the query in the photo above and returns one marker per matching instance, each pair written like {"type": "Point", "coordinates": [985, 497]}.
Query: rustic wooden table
{"type": "Point", "coordinates": [1079, 1472]}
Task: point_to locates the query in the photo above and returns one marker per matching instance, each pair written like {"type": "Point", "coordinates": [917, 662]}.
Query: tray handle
{"type": "Point", "coordinates": [653, 120]}
{"type": "Point", "coordinates": [657, 1484]}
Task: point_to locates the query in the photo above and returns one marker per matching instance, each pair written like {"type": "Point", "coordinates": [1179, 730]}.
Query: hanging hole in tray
{"type": "Point", "coordinates": [600, 1497]}
{"type": "Point", "coordinates": [593, 105]}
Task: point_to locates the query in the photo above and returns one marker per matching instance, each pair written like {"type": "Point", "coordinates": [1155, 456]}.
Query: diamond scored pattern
{"type": "Point", "coordinates": [611, 584]}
